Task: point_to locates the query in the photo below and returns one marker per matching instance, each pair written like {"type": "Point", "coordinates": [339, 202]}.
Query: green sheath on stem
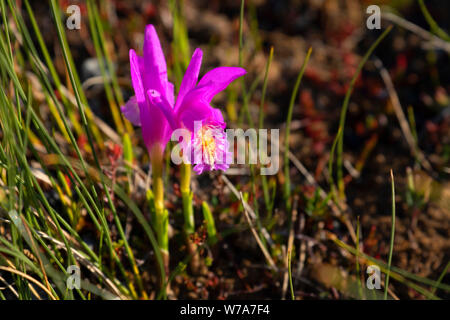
{"type": "Point", "coordinates": [210, 225]}
{"type": "Point", "coordinates": [161, 215]}
{"type": "Point", "coordinates": [187, 195]}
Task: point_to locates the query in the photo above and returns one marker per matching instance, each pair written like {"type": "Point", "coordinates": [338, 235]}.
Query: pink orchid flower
{"type": "Point", "coordinates": [149, 73]}
{"type": "Point", "coordinates": [154, 108]}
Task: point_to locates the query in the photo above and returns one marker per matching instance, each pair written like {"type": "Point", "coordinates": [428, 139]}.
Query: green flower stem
{"type": "Point", "coordinates": [161, 217]}
{"type": "Point", "coordinates": [186, 194]}
{"type": "Point", "coordinates": [188, 212]}
{"type": "Point", "coordinates": [128, 156]}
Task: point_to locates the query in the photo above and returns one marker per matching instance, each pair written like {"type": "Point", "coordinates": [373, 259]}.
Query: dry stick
{"type": "Point", "coordinates": [433, 40]}
{"type": "Point", "coordinates": [84, 261]}
{"type": "Point", "coordinates": [302, 254]}
{"type": "Point", "coordinates": [393, 295]}
{"type": "Point", "coordinates": [289, 247]}
{"type": "Point", "coordinates": [238, 195]}
{"type": "Point", "coordinates": [99, 80]}
{"type": "Point", "coordinates": [309, 177]}
{"type": "Point", "coordinates": [351, 170]}
{"type": "Point", "coordinates": [404, 125]}
{"type": "Point", "coordinates": [255, 234]}
{"type": "Point", "coordinates": [9, 286]}
{"type": "Point", "coordinates": [247, 207]}
{"type": "Point", "coordinates": [311, 241]}
{"type": "Point", "coordinates": [26, 276]}
{"type": "Point", "coordinates": [30, 286]}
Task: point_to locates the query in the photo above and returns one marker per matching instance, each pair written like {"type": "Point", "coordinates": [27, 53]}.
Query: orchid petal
{"type": "Point", "coordinates": [136, 78]}
{"type": "Point", "coordinates": [170, 93]}
{"type": "Point", "coordinates": [201, 112]}
{"type": "Point", "coordinates": [190, 77]}
{"type": "Point", "coordinates": [154, 62]}
{"type": "Point", "coordinates": [218, 117]}
{"type": "Point", "coordinates": [218, 79]}
{"type": "Point", "coordinates": [194, 108]}
{"type": "Point", "coordinates": [131, 111]}
{"type": "Point", "coordinates": [160, 101]}
{"type": "Point", "coordinates": [223, 167]}
{"type": "Point", "coordinates": [155, 127]}
{"type": "Point", "coordinates": [199, 168]}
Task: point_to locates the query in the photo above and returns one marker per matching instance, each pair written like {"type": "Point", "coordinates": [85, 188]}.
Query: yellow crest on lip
{"type": "Point", "coordinates": [208, 143]}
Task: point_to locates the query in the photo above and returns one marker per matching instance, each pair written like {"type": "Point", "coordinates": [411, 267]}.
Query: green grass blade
{"type": "Point", "coordinates": [340, 138]}
{"type": "Point", "coordinates": [391, 247]}
{"type": "Point", "coordinates": [287, 184]}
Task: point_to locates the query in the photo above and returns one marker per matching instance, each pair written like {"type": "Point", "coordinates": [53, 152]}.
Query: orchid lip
{"type": "Point", "coordinates": [210, 146]}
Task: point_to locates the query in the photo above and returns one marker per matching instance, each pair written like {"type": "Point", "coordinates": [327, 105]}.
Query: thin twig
{"type": "Point", "coordinates": [26, 276]}
{"type": "Point", "coordinates": [404, 125]}
{"type": "Point", "coordinates": [289, 247]}
{"type": "Point", "coordinates": [88, 264]}
{"type": "Point", "coordinates": [309, 177]}
{"type": "Point", "coordinates": [9, 286]}
{"type": "Point", "coordinates": [302, 254]}
{"type": "Point", "coordinates": [246, 206]}
{"type": "Point", "coordinates": [433, 40]}
{"type": "Point", "coordinates": [255, 234]}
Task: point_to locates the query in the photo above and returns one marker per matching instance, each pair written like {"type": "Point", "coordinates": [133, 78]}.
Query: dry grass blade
{"type": "Point", "coordinates": [249, 209]}
{"type": "Point", "coordinates": [424, 34]}
{"type": "Point", "coordinates": [302, 253]}
{"type": "Point", "coordinates": [404, 125]}
{"type": "Point", "coordinates": [9, 286]}
{"type": "Point", "coordinates": [88, 264]}
{"type": "Point", "coordinates": [309, 177]}
{"type": "Point", "coordinates": [289, 247]}
{"type": "Point", "coordinates": [255, 234]}
{"type": "Point", "coordinates": [26, 276]}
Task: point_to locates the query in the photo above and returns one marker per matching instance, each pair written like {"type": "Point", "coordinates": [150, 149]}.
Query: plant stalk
{"type": "Point", "coordinates": [161, 217]}
{"type": "Point", "coordinates": [188, 212]}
